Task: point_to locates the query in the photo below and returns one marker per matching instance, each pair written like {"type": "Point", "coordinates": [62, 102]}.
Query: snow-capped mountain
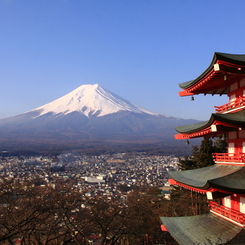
{"type": "Point", "coordinates": [90, 100]}
{"type": "Point", "coordinates": [86, 116]}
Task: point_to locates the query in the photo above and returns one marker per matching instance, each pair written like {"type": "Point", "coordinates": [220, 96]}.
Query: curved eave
{"type": "Point", "coordinates": [225, 122]}
{"type": "Point", "coordinates": [187, 129]}
{"type": "Point", "coordinates": [202, 229]}
{"type": "Point", "coordinates": [223, 177]}
{"type": "Point", "coordinates": [222, 64]}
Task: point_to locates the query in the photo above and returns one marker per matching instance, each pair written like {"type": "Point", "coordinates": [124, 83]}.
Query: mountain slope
{"type": "Point", "coordinates": [86, 115]}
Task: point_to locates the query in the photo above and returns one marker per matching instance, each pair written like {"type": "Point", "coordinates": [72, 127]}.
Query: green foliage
{"type": "Point", "coordinates": [220, 145]}
{"type": "Point", "coordinates": [202, 155]}
{"type": "Point", "coordinates": [187, 163]}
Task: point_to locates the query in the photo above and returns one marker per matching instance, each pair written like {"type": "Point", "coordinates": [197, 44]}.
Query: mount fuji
{"type": "Point", "coordinates": [90, 100]}
{"type": "Point", "coordinates": [88, 115]}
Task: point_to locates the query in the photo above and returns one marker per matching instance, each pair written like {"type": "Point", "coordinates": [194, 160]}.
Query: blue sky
{"type": "Point", "coordinates": [138, 49]}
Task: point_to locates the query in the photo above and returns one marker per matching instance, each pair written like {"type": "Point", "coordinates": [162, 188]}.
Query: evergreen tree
{"type": "Point", "coordinates": [202, 155]}
{"type": "Point", "coordinates": [187, 163]}
{"type": "Point", "coordinates": [220, 145]}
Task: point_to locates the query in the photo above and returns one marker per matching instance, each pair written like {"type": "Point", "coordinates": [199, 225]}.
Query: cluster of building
{"type": "Point", "coordinates": [93, 175]}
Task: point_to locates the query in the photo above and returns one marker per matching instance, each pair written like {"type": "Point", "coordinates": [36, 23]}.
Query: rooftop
{"type": "Point", "coordinates": [221, 64]}
{"type": "Point", "coordinates": [202, 229]}
{"type": "Point", "coordinates": [223, 177]}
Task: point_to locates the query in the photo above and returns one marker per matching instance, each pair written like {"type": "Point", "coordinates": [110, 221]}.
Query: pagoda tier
{"type": "Point", "coordinates": [203, 229]}
{"type": "Point", "coordinates": [224, 70]}
{"type": "Point", "coordinates": [216, 178]}
{"type": "Point", "coordinates": [223, 185]}
{"type": "Point", "coordinates": [223, 182]}
{"type": "Point", "coordinates": [218, 124]}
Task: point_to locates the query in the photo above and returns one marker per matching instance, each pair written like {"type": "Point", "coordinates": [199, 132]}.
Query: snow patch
{"type": "Point", "coordinates": [90, 100]}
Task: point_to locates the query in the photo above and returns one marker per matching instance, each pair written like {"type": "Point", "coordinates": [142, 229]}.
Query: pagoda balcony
{"type": "Point", "coordinates": [227, 213]}
{"type": "Point", "coordinates": [235, 158]}
{"type": "Point", "coordinates": [233, 105]}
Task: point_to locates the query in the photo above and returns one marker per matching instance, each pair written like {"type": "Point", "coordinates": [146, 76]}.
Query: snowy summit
{"type": "Point", "coordinates": [90, 100]}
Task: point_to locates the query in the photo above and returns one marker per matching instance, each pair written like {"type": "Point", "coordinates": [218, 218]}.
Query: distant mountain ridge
{"type": "Point", "coordinates": [86, 115]}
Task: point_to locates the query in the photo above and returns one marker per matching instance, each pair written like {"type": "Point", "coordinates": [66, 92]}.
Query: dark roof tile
{"type": "Point", "coordinates": [236, 118]}
{"type": "Point", "coordinates": [238, 59]}
{"type": "Point", "coordinates": [201, 229]}
{"type": "Point", "coordinates": [224, 177]}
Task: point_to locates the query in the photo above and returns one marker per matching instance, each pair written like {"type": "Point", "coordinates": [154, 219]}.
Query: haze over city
{"type": "Point", "coordinates": [140, 50]}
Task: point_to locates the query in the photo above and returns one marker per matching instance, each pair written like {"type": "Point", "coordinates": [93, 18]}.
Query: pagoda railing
{"type": "Point", "coordinates": [229, 157]}
{"type": "Point", "coordinates": [227, 212]}
{"type": "Point", "coordinates": [239, 102]}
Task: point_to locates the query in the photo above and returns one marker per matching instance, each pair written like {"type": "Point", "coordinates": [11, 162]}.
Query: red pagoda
{"type": "Point", "coordinates": [223, 182]}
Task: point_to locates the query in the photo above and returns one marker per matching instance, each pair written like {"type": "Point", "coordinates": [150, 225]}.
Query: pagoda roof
{"type": "Point", "coordinates": [229, 120]}
{"type": "Point", "coordinates": [228, 178]}
{"type": "Point", "coordinates": [203, 229]}
{"type": "Point", "coordinates": [212, 80]}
